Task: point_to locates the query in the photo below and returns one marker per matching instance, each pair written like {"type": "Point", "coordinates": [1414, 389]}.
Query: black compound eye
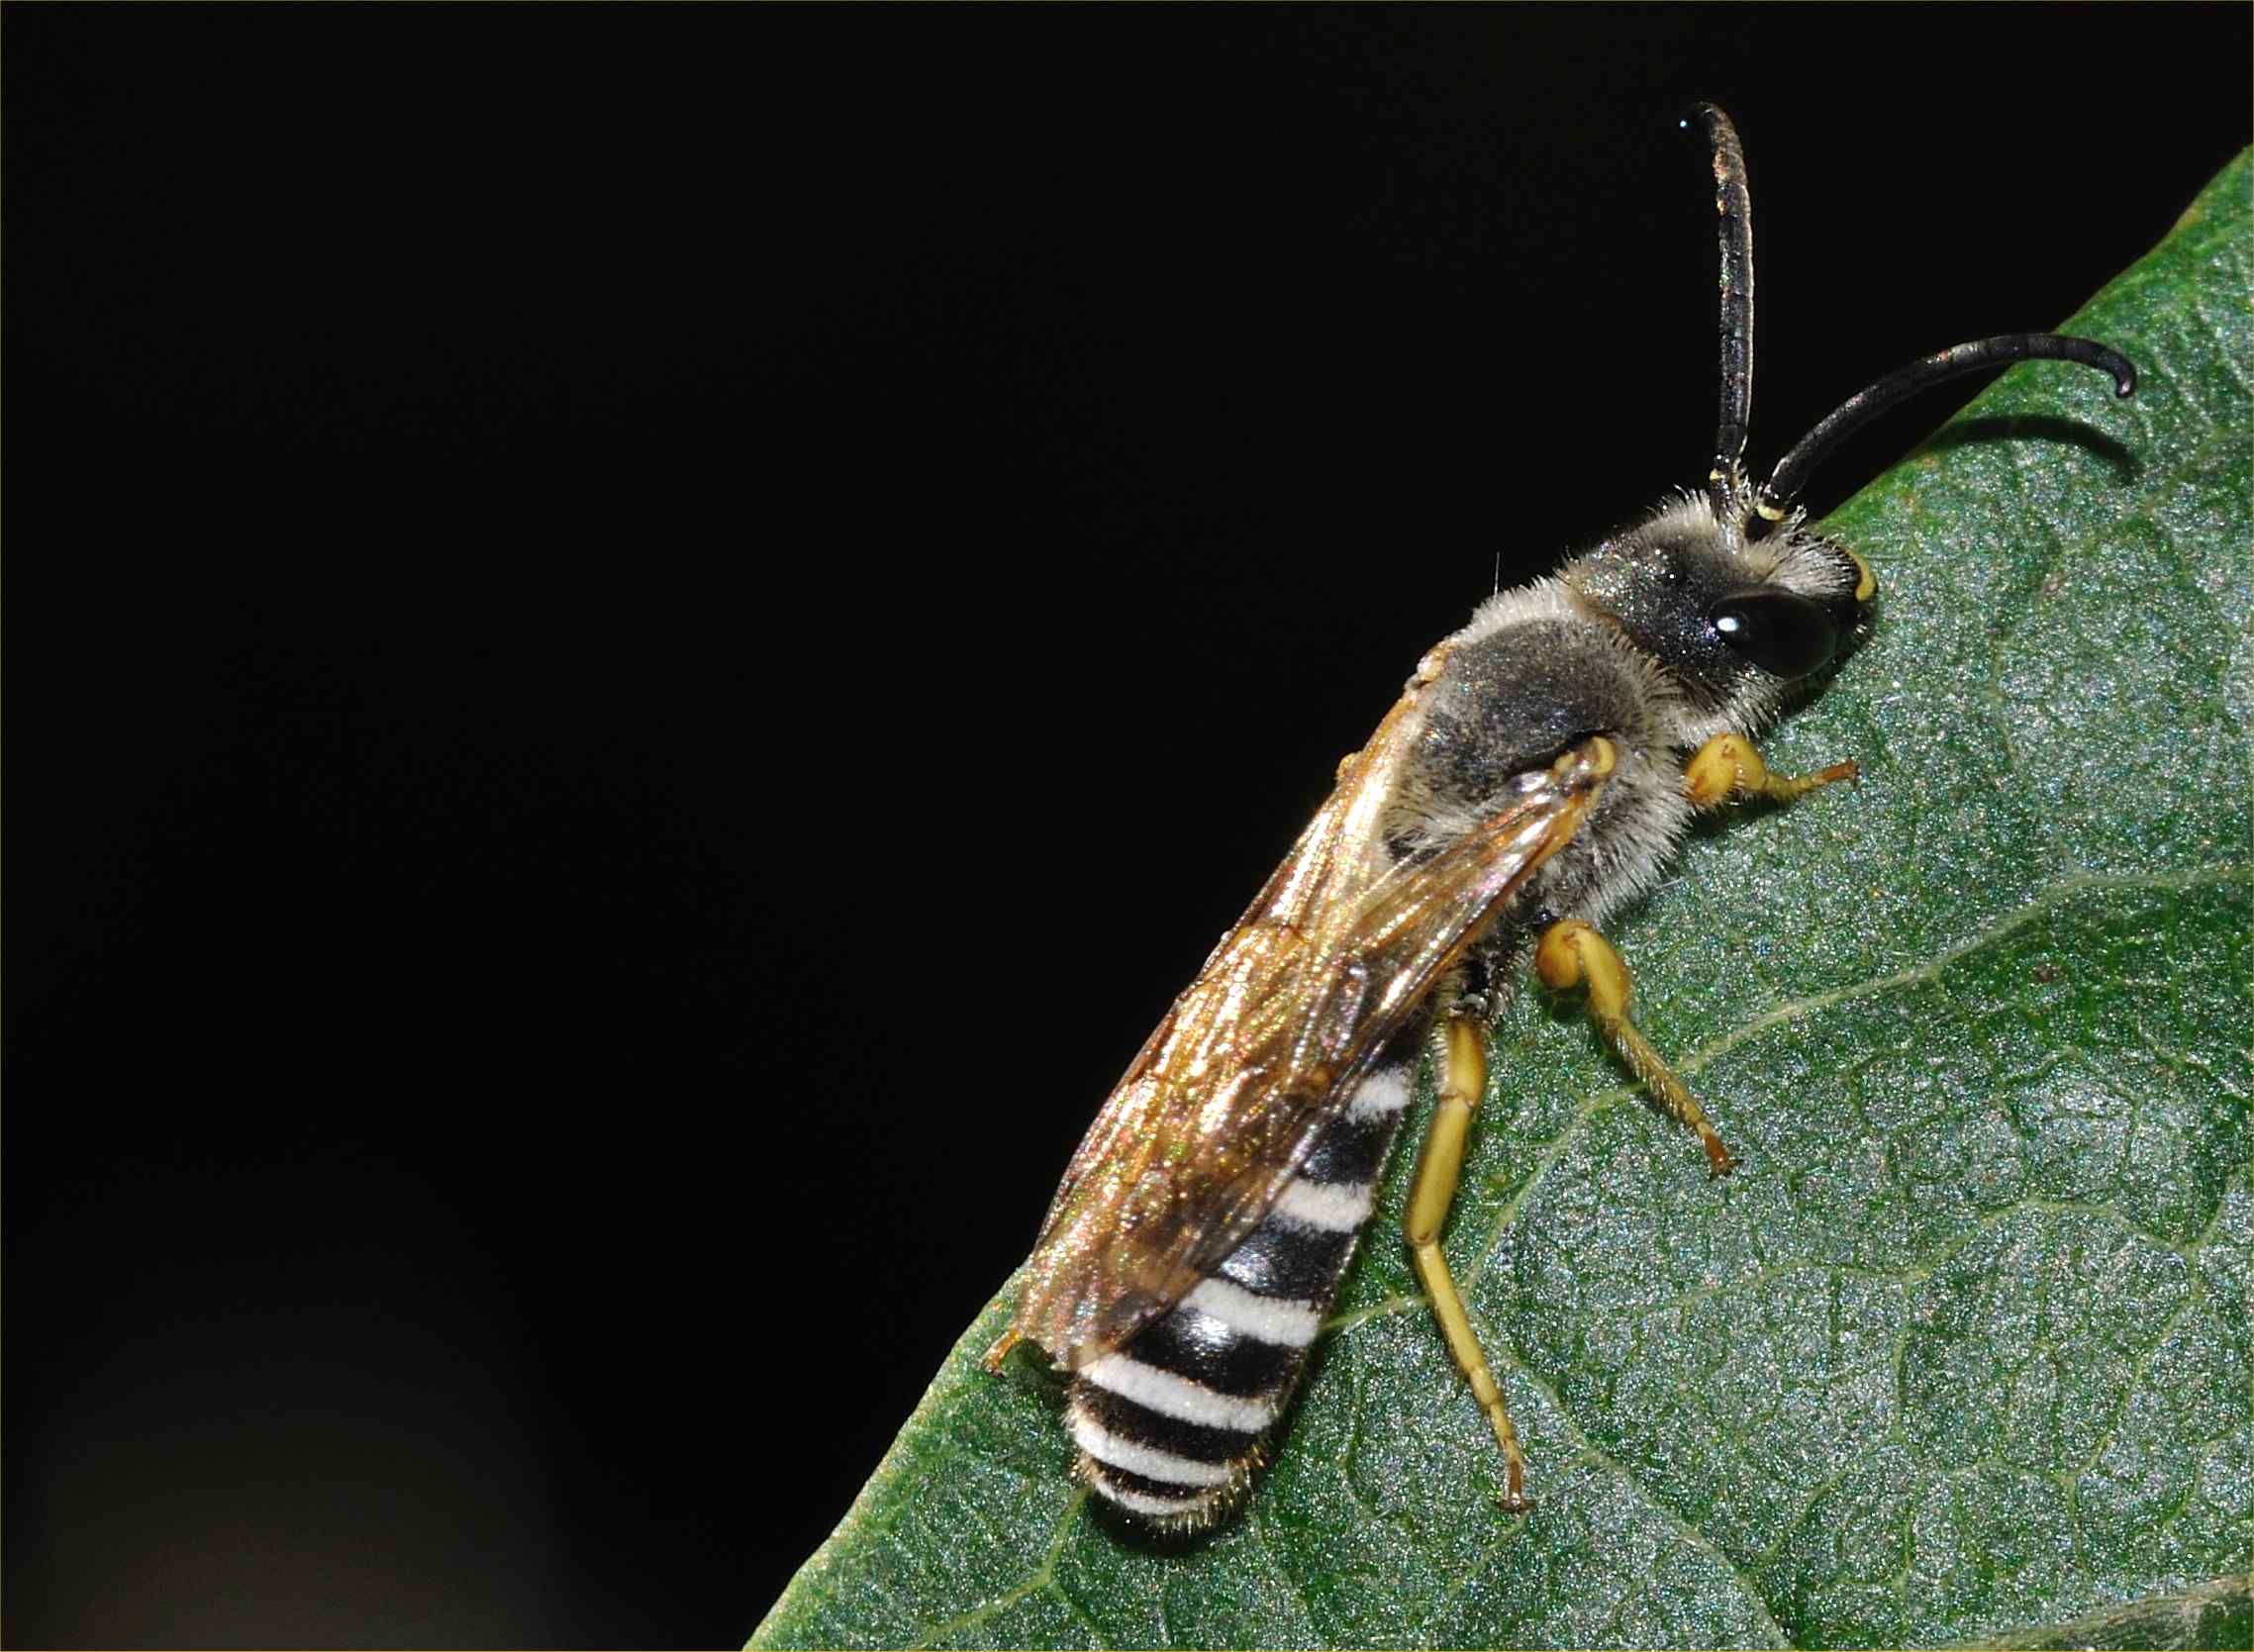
{"type": "Point", "coordinates": [1783, 633]}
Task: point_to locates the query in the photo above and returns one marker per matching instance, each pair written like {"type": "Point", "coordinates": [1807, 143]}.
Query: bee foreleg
{"type": "Point", "coordinates": [1572, 951]}
{"type": "Point", "coordinates": [1727, 767]}
{"type": "Point", "coordinates": [1440, 1167]}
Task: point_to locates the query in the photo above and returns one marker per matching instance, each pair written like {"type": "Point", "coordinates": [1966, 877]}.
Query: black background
{"type": "Point", "coordinates": [643, 643]}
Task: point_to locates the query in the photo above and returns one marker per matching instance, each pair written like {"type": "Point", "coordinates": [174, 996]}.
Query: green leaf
{"type": "Point", "coordinates": [1963, 1347]}
{"type": "Point", "coordinates": [2219, 1613]}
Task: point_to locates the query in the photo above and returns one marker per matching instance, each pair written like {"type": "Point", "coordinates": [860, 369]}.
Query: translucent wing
{"type": "Point", "coordinates": [1206, 1129]}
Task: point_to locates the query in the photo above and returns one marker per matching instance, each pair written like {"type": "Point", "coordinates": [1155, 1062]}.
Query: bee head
{"type": "Point", "coordinates": [1726, 595]}
{"type": "Point", "coordinates": [1730, 621]}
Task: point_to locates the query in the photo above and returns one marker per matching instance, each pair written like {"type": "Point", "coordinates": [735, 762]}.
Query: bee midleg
{"type": "Point", "coordinates": [1727, 766]}
{"type": "Point", "coordinates": [1440, 1168]}
{"type": "Point", "coordinates": [1169, 1427]}
{"type": "Point", "coordinates": [1572, 951]}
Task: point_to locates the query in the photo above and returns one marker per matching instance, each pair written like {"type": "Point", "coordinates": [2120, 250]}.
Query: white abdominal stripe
{"type": "Point", "coordinates": [1384, 1093]}
{"type": "Point", "coordinates": [1169, 1426]}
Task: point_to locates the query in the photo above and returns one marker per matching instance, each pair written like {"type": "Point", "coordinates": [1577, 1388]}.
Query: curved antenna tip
{"type": "Point", "coordinates": [2107, 360]}
{"type": "Point", "coordinates": [1975, 356]}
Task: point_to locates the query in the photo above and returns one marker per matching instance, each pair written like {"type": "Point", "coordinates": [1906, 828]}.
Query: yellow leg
{"type": "Point", "coordinates": [1727, 766]}
{"type": "Point", "coordinates": [1001, 1350]}
{"type": "Point", "coordinates": [1573, 951]}
{"type": "Point", "coordinates": [1463, 1080]}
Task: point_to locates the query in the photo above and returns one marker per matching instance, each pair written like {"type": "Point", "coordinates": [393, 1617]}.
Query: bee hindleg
{"type": "Point", "coordinates": [1001, 1350]}
{"type": "Point", "coordinates": [1440, 1167]}
{"type": "Point", "coordinates": [1727, 767]}
{"type": "Point", "coordinates": [1572, 951]}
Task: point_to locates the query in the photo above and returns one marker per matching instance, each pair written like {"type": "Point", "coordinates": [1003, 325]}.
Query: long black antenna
{"type": "Point", "coordinates": [1775, 498]}
{"type": "Point", "coordinates": [1734, 208]}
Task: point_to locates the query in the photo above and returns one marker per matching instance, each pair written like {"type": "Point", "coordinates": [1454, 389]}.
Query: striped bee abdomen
{"type": "Point", "coordinates": [1169, 1426]}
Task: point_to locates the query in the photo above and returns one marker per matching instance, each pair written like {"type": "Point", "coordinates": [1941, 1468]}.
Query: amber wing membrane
{"type": "Point", "coordinates": [1203, 1131]}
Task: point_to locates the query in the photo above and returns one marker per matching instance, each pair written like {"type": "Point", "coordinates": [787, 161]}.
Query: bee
{"type": "Point", "coordinates": [1537, 775]}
